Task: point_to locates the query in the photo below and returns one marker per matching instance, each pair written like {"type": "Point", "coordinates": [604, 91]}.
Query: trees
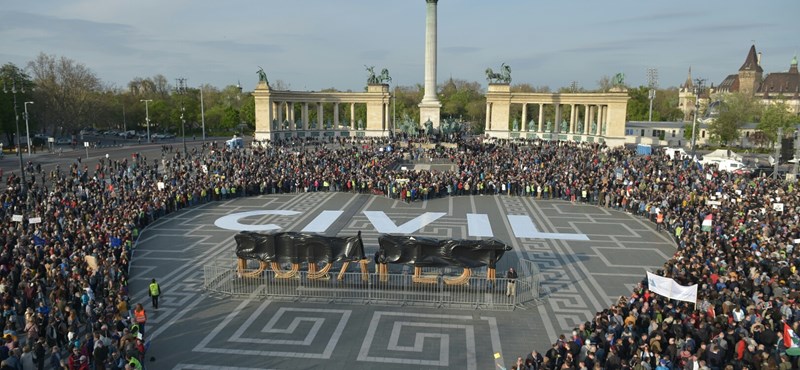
{"type": "Point", "coordinates": [735, 110]}
{"type": "Point", "coordinates": [13, 77]}
{"type": "Point", "coordinates": [65, 91]}
{"type": "Point", "coordinates": [776, 116]}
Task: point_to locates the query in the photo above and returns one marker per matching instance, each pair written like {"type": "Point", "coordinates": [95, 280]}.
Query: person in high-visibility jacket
{"type": "Point", "coordinates": [140, 317]}
{"type": "Point", "coordinates": [155, 291]}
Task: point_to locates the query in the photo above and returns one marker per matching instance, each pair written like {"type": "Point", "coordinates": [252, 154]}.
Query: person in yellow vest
{"type": "Point", "coordinates": [155, 291]}
{"type": "Point", "coordinates": [133, 362]}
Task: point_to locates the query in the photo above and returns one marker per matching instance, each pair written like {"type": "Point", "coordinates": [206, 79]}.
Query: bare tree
{"type": "Point", "coordinates": [604, 84]}
{"type": "Point", "coordinates": [67, 88]}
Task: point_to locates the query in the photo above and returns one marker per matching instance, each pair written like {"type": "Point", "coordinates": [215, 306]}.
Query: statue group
{"type": "Point", "coordinates": [373, 79]}
{"type": "Point", "coordinates": [504, 76]}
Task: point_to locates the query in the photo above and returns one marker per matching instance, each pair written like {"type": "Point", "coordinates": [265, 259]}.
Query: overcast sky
{"type": "Point", "coordinates": [317, 44]}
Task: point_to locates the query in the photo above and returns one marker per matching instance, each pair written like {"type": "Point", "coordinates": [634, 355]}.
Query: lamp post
{"type": "Point", "coordinates": [652, 82]}
{"type": "Point", "coordinates": [147, 116]}
{"type": "Point", "coordinates": [698, 89]}
{"type": "Point", "coordinates": [181, 89]}
{"type": "Point", "coordinates": [27, 129]}
{"type": "Point", "coordinates": [202, 114]}
{"type": "Point", "coordinates": [16, 121]}
{"type": "Point", "coordinates": [183, 132]}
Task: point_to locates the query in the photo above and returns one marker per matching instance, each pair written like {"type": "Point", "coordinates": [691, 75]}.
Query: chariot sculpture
{"type": "Point", "coordinates": [504, 76]}
{"type": "Point", "coordinates": [382, 78]}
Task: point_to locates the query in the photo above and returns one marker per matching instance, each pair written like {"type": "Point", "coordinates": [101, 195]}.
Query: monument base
{"type": "Point", "coordinates": [430, 111]}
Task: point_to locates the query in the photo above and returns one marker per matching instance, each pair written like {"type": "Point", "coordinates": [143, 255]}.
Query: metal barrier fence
{"type": "Point", "coordinates": [395, 289]}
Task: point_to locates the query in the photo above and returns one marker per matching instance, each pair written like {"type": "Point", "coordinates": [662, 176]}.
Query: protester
{"type": "Point", "coordinates": [69, 273]}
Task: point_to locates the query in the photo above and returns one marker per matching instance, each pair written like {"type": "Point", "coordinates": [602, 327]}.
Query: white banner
{"type": "Point", "coordinates": [35, 220]}
{"type": "Point", "coordinates": [16, 218]}
{"type": "Point", "coordinates": [669, 288]}
{"type": "Point", "coordinates": [659, 284]}
{"type": "Point", "coordinates": [684, 293]}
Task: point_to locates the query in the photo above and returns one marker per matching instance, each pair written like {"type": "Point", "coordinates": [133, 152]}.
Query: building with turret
{"type": "Point", "coordinates": [770, 89]}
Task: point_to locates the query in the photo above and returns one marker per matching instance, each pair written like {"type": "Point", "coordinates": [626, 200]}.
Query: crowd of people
{"type": "Point", "coordinates": [64, 266]}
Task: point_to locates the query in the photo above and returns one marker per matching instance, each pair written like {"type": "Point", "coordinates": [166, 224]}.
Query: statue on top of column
{"type": "Point", "coordinates": [504, 76]}
{"type": "Point", "coordinates": [262, 76]}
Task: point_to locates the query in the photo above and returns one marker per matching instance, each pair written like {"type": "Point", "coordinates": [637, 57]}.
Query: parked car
{"type": "Point", "coordinates": [63, 141]}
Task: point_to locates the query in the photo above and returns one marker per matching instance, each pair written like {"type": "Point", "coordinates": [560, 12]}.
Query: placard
{"type": "Point", "coordinates": [16, 218]}
{"type": "Point", "coordinates": [85, 144]}
{"type": "Point", "coordinates": [35, 220]}
{"type": "Point", "coordinates": [160, 185]}
{"type": "Point", "coordinates": [778, 207]}
{"type": "Point", "coordinates": [713, 203]}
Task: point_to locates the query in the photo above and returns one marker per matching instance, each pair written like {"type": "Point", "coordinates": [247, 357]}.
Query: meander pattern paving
{"type": "Point", "coordinates": [587, 256]}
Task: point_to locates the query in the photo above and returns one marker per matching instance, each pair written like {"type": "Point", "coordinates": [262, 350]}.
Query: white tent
{"type": "Point", "coordinates": [720, 154]}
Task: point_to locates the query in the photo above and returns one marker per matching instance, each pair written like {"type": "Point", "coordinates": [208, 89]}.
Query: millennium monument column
{"type": "Point", "coordinates": [430, 105]}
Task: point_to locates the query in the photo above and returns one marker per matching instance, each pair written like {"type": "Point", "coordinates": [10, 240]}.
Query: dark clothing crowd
{"type": "Point", "coordinates": [64, 265]}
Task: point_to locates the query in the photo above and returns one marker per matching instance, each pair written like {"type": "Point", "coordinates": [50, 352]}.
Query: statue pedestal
{"type": "Point", "coordinates": [430, 111]}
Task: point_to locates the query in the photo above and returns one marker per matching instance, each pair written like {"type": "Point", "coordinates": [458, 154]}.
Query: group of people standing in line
{"type": "Point", "coordinates": [64, 280]}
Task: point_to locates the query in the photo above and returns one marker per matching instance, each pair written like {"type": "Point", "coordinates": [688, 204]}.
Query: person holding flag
{"type": "Point", "coordinates": [707, 223]}
{"type": "Point", "coordinates": [790, 340]}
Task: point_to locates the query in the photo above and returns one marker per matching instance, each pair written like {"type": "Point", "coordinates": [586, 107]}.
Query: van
{"type": "Point", "coordinates": [235, 143]}
{"type": "Point", "coordinates": [730, 165]}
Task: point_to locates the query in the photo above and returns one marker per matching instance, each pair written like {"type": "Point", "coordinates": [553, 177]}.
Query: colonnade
{"type": "Point", "coordinates": [329, 114]}
{"type": "Point", "coordinates": [592, 117]}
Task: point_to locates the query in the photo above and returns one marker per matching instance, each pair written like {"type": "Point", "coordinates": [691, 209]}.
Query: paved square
{"type": "Point", "coordinates": [587, 257]}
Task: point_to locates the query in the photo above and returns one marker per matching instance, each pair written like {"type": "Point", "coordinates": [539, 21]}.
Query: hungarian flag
{"type": "Point", "coordinates": [707, 222]}
{"type": "Point", "coordinates": [791, 341]}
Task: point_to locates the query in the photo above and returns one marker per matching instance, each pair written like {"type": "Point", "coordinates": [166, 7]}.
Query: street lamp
{"type": "Point", "coordinates": [147, 116]}
{"type": "Point", "coordinates": [202, 114]}
{"type": "Point", "coordinates": [181, 89]}
{"type": "Point", "coordinates": [652, 82]}
{"type": "Point", "coordinates": [27, 130]}
{"type": "Point", "coordinates": [183, 132]}
{"type": "Point", "coordinates": [16, 120]}
{"type": "Point", "coordinates": [698, 89]}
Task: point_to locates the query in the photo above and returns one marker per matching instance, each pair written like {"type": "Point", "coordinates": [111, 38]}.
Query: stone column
{"type": "Point", "coordinates": [572, 127]}
{"type": "Point", "coordinates": [305, 116]}
{"type": "Point", "coordinates": [335, 115]}
{"type": "Point", "coordinates": [524, 124]}
{"type": "Point", "coordinates": [557, 123]}
{"type": "Point", "coordinates": [352, 116]}
{"type": "Point", "coordinates": [430, 105]}
{"type": "Point", "coordinates": [281, 110]}
{"type": "Point", "coordinates": [541, 117]}
{"type": "Point", "coordinates": [599, 115]}
{"type": "Point", "coordinates": [320, 118]}
{"type": "Point", "coordinates": [585, 119]}
{"type": "Point", "coordinates": [488, 125]}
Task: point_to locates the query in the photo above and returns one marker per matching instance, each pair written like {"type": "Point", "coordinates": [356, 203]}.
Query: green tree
{"type": "Point", "coordinates": [13, 78]}
{"type": "Point", "coordinates": [776, 116]}
{"type": "Point", "coordinates": [638, 104]}
{"type": "Point", "coordinates": [735, 110]}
